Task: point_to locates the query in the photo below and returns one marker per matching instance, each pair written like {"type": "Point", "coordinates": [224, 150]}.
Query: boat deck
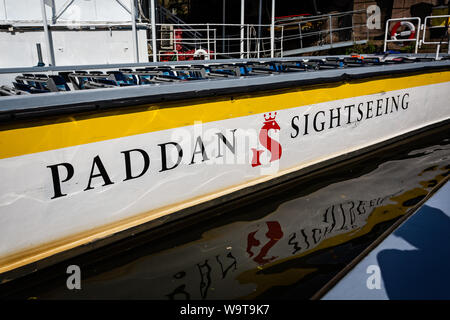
{"type": "Point", "coordinates": [40, 91]}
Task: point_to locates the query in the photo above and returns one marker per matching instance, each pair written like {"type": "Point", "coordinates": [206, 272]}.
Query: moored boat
{"type": "Point", "coordinates": [83, 168]}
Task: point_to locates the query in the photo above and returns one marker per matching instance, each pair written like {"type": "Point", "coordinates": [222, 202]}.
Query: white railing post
{"type": "Point", "coordinates": [438, 48]}
{"type": "Point", "coordinates": [331, 29]}
{"type": "Point", "coordinates": [385, 35]}
{"type": "Point", "coordinates": [417, 36]}
{"type": "Point", "coordinates": [300, 34]}
{"type": "Point", "coordinates": [257, 48]}
{"type": "Point", "coordinates": [272, 31]}
{"type": "Point", "coordinates": [248, 41]}
{"type": "Point", "coordinates": [259, 27]}
{"type": "Point", "coordinates": [48, 37]}
{"type": "Point", "coordinates": [134, 31]}
{"type": "Point", "coordinates": [207, 39]}
{"type": "Point", "coordinates": [154, 49]}
{"type": "Point", "coordinates": [215, 46]}
{"type": "Point", "coordinates": [242, 28]}
{"type": "Point", "coordinates": [223, 26]}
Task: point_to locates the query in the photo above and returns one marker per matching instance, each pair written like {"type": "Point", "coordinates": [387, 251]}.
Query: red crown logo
{"type": "Point", "coordinates": [269, 117]}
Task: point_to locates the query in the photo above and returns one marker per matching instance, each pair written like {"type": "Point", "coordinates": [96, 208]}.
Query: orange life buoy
{"type": "Point", "coordinates": [411, 33]}
{"type": "Point", "coordinates": [201, 54]}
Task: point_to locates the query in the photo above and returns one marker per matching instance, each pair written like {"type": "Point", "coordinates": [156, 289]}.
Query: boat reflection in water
{"type": "Point", "coordinates": [286, 245]}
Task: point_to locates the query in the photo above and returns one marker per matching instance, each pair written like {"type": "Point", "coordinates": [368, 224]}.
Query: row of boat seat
{"type": "Point", "coordinates": [82, 80]}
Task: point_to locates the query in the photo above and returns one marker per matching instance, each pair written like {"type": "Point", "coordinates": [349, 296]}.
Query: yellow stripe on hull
{"type": "Point", "coordinates": [62, 132]}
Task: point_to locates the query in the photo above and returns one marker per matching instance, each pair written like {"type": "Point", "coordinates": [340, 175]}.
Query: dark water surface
{"type": "Point", "coordinates": [285, 244]}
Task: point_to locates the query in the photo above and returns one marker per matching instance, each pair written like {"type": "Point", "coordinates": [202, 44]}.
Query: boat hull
{"type": "Point", "coordinates": [70, 180]}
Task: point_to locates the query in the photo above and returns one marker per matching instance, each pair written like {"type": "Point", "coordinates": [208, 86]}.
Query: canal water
{"type": "Point", "coordinates": [287, 242]}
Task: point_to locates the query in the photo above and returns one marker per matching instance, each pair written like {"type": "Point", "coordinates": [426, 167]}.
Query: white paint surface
{"type": "Point", "coordinates": [29, 217]}
{"type": "Point", "coordinates": [72, 47]}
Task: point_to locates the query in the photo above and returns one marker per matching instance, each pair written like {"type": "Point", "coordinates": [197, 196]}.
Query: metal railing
{"type": "Point", "coordinates": [314, 33]}
{"type": "Point", "coordinates": [437, 43]}
{"type": "Point", "coordinates": [285, 37]}
{"type": "Point", "coordinates": [418, 28]}
{"type": "Point", "coordinates": [183, 45]}
{"type": "Point", "coordinates": [291, 36]}
{"type": "Point", "coordinates": [399, 20]}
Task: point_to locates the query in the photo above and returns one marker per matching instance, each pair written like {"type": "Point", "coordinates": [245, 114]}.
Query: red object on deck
{"type": "Point", "coordinates": [179, 54]}
{"type": "Point", "coordinates": [178, 38]}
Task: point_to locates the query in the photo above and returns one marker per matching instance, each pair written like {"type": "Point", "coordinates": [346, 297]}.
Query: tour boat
{"type": "Point", "coordinates": [93, 154]}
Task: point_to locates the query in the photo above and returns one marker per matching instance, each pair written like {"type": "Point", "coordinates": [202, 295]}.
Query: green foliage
{"type": "Point", "coordinates": [362, 49]}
